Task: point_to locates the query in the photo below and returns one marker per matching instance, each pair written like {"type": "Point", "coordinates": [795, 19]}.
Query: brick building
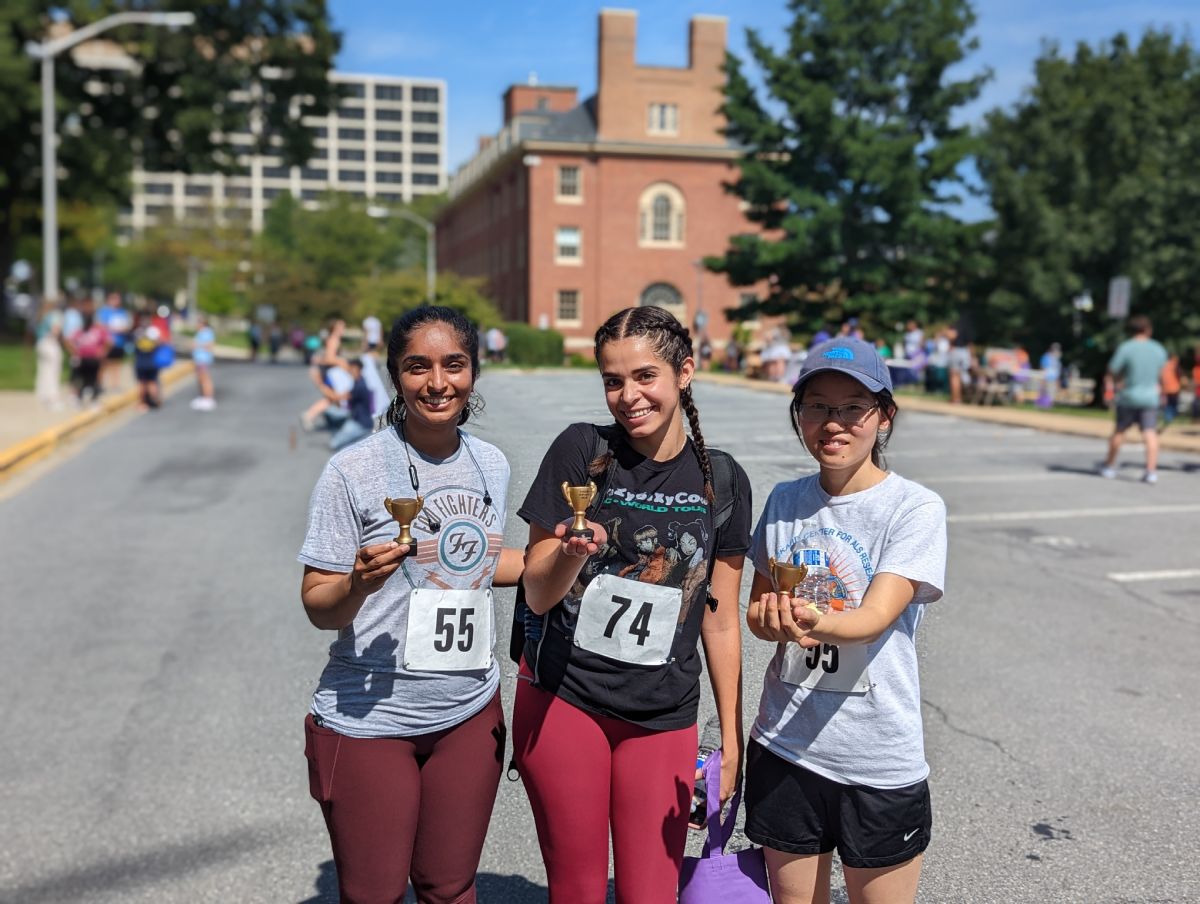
{"type": "Point", "coordinates": [575, 210]}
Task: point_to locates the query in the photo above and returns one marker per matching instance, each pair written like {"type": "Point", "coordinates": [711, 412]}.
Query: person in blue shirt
{"type": "Point", "coordinates": [359, 422]}
{"type": "Point", "coordinates": [1137, 365]}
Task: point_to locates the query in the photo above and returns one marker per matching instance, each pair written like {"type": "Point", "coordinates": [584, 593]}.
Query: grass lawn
{"type": "Point", "coordinates": [18, 362]}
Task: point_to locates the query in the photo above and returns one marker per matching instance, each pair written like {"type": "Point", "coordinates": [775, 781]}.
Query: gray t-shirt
{"type": "Point", "coordinates": [1138, 363]}
{"type": "Point", "coordinates": [897, 526]}
{"type": "Point", "coordinates": [365, 691]}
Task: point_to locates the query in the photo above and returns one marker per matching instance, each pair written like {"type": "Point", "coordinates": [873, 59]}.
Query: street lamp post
{"type": "Point", "coordinates": [46, 52]}
{"type": "Point", "coordinates": [430, 243]}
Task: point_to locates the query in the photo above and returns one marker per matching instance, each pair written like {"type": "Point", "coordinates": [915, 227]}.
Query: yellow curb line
{"type": "Point", "coordinates": [36, 447]}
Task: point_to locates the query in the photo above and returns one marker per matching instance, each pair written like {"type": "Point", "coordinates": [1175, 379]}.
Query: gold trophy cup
{"type": "Point", "coordinates": [405, 512]}
{"type": "Point", "coordinates": [785, 577]}
{"type": "Point", "coordinates": [579, 498]}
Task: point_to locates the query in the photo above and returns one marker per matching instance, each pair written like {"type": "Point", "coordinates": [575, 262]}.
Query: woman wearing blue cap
{"type": "Point", "coordinates": [839, 760]}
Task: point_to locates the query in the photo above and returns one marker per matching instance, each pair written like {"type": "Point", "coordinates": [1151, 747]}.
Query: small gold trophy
{"type": "Point", "coordinates": [579, 498]}
{"type": "Point", "coordinates": [785, 577]}
{"type": "Point", "coordinates": [405, 512]}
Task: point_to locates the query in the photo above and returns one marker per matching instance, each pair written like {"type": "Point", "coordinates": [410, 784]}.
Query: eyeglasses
{"type": "Point", "coordinates": [814, 413]}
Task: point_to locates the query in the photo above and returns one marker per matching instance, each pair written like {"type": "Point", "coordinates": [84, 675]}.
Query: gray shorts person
{"type": "Point", "coordinates": [1145, 418]}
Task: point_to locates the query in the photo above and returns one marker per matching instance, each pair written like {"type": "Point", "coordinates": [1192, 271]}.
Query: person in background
{"type": "Point", "coordinates": [88, 347]}
{"type": "Point", "coordinates": [48, 382]}
{"type": "Point", "coordinates": [497, 342]}
{"type": "Point", "coordinates": [380, 397]}
{"type": "Point", "coordinates": [147, 340]}
{"type": "Point", "coordinates": [1137, 366]}
{"type": "Point", "coordinates": [202, 357]}
{"type": "Point", "coordinates": [1196, 385]}
{"type": "Point", "coordinates": [372, 332]}
{"type": "Point", "coordinates": [114, 318]}
{"type": "Point", "coordinates": [1171, 379]}
{"type": "Point", "coordinates": [274, 341]}
{"type": "Point", "coordinates": [359, 420]}
{"type": "Point", "coordinates": [1051, 368]}
{"type": "Point", "coordinates": [254, 335]}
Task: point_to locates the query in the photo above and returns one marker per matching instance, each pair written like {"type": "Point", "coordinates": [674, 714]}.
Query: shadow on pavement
{"type": "Point", "coordinates": [160, 865]}
{"type": "Point", "coordinates": [490, 888]}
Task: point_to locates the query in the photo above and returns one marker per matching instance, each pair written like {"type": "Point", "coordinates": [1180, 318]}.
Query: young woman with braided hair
{"type": "Point", "coordinates": [604, 726]}
{"type": "Point", "coordinates": [405, 736]}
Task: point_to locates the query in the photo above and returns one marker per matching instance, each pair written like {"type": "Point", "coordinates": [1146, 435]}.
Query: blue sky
{"type": "Point", "coordinates": [482, 48]}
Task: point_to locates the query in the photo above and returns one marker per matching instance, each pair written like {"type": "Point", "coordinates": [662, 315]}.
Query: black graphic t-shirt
{"type": "Point", "coordinates": [660, 532]}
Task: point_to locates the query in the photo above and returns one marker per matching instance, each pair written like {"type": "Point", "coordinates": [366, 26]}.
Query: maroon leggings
{"type": "Point", "coordinates": [401, 808]}
{"type": "Point", "coordinates": [584, 772]}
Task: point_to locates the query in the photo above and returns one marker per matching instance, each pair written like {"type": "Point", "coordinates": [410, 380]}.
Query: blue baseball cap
{"type": "Point", "coordinates": [849, 356]}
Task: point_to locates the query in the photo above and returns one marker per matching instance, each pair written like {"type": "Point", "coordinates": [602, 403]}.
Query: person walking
{"type": "Point", "coordinates": [358, 421]}
{"type": "Point", "coordinates": [48, 378]}
{"type": "Point", "coordinates": [147, 345]}
{"type": "Point", "coordinates": [604, 724]}
{"type": "Point", "coordinates": [405, 735]}
{"type": "Point", "coordinates": [836, 759]}
{"type": "Point", "coordinates": [114, 318]}
{"type": "Point", "coordinates": [1171, 380]}
{"type": "Point", "coordinates": [203, 345]}
{"type": "Point", "coordinates": [1137, 366]}
{"type": "Point", "coordinates": [88, 348]}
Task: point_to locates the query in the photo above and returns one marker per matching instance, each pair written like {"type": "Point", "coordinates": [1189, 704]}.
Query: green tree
{"type": "Point", "coordinates": [173, 110]}
{"type": "Point", "coordinates": [852, 162]}
{"type": "Point", "coordinates": [389, 295]}
{"type": "Point", "coordinates": [1095, 173]}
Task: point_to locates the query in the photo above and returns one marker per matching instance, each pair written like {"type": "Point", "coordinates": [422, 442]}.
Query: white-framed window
{"type": "Point", "coordinates": [662, 119]}
{"type": "Point", "coordinates": [661, 216]}
{"type": "Point", "coordinates": [570, 185]}
{"type": "Point", "coordinates": [568, 245]}
{"type": "Point", "coordinates": [666, 296]}
{"type": "Point", "coordinates": [566, 307]}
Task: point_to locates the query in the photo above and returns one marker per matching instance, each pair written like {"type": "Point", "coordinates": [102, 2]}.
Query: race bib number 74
{"type": "Point", "coordinates": [628, 620]}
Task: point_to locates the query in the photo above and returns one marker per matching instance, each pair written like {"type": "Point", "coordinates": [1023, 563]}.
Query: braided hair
{"type": "Point", "coordinates": [671, 342]}
{"type": "Point", "coordinates": [402, 330]}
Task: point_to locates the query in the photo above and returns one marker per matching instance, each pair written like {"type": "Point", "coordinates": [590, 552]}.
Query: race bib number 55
{"type": "Point", "coordinates": [449, 631]}
{"type": "Point", "coordinates": [628, 620]}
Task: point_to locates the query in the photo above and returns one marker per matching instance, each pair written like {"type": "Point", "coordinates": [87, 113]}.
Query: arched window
{"type": "Point", "coordinates": [663, 295]}
{"type": "Point", "coordinates": [661, 216]}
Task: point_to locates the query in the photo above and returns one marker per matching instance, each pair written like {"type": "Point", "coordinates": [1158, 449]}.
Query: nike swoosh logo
{"type": "Point", "coordinates": [910, 834]}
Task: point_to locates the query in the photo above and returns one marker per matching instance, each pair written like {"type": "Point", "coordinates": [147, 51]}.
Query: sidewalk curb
{"type": "Point", "coordinates": [42, 444]}
{"type": "Point", "coordinates": [1013, 417]}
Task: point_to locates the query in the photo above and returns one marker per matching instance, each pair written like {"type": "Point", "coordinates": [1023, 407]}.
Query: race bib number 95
{"type": "Point", "coordinates": [628, 620]}
{"type": "Point", "coordinates": [827, 668]}
{"type": "Point", "coordinates": [449, 631]}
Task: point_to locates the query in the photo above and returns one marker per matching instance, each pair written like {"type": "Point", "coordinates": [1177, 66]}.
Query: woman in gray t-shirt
{"type": "Point", "coordinates": [405, 736]}
{"type": "Point", "coordinates": [838, 757]}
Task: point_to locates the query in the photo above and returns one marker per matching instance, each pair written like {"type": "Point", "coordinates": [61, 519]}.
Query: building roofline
{"type": "Point", "coordinates": [588, 148]}
{"type": "Point", "coordinates": [335, 75]}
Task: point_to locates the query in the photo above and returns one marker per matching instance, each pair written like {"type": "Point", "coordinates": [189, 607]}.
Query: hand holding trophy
{"type": "Point", "coordinates": [405, 512]}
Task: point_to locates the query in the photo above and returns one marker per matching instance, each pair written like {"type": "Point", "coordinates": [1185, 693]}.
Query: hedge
{"type": "Point", "coordinates": [531, 347]}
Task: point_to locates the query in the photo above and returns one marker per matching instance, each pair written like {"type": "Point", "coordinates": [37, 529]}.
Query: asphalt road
{"type": "Point", "coordinates": [156, 663]}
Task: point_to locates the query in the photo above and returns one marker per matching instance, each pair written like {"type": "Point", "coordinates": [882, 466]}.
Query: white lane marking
{"type": "Point", "coordinates": [1044, 515]}
{"type": "Point", "coordinates": [1130, 577]}
{"type": "Point", "coordinates": [1004, 478]}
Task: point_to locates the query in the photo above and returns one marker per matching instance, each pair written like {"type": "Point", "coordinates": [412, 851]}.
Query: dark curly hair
{"type": "Point", "coordinates": [402, 330]}
{"type": "Point", "coordinates": [672, 343]}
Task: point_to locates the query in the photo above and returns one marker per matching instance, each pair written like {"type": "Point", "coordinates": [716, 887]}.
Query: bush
{"type": "Point", "coordinates": [531, 347]}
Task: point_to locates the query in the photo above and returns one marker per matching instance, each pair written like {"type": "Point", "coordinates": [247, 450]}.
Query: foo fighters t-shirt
{"type": "Point", "coordinates": [660, 532]}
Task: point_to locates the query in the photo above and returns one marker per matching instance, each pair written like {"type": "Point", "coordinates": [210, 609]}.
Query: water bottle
{"type": "Point", "coordinates": [814, 589]}
{"type": "Point", "coordinates": [710, 740]}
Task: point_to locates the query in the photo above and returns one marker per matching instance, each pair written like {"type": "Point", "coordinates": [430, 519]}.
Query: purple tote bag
{"type": "Point", "coordinates": [717, 877]}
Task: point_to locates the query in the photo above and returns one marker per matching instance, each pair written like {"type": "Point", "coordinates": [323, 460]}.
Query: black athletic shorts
{"type": "Point", "coordinates": [796, 811]}
{"type": "Point", "coordinates": [116, 353]}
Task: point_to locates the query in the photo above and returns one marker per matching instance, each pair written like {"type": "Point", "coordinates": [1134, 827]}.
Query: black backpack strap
{"type": "Point", "coordinates": [725, 497]}
{"type": "Point", "coordinates": [522, 614]}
